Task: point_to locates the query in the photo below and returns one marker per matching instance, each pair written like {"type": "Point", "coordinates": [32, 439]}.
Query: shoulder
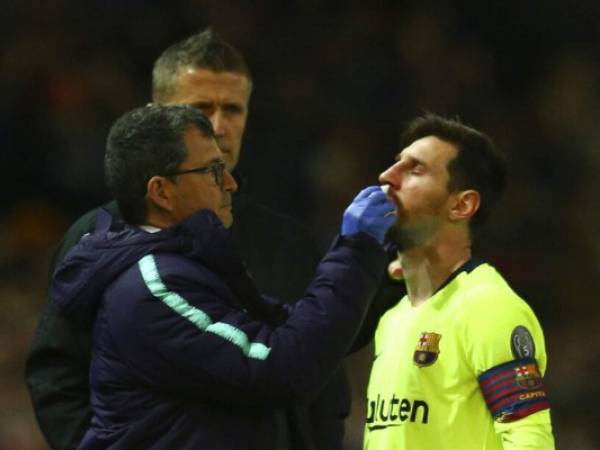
{"type": "Point", "coordinates": [84, 224]}
{"type": "Point", "coordinates": [499, 317]}
{"type": "Point", "coordinates": [187, 287]}
{"type": "Point", "coordinates": [177, 272]}
{"type": "Point", "coordinates": [165, 276]}
{"type": "Point", "coordinates": [87, 221]}
{"type": "Point", "coordinates": [484, 290]}
{"type": "Point", "coordinates": [172, 266]}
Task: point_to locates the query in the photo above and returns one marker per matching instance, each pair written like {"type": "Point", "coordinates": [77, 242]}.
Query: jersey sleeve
{"type": "Point", "coordinates": [500, 327]}
{"type": "Point", "coordinates": [505, 347]}
{"type": "Point", "coordinates": [531, 433]}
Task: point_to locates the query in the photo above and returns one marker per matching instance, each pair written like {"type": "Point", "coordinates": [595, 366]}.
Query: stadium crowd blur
{"type": "Point", "coordinates": [333, 84]}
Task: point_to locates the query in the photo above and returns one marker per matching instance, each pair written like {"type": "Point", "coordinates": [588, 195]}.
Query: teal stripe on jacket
{"type": "Point", "coordinates": [199, 318]}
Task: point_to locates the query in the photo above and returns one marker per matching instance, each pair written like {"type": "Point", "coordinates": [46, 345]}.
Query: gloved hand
{"type": "Point", "coordinates": [371, 212]}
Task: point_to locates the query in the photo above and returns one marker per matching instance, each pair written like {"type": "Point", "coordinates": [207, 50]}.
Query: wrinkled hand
{"type": "Point", "coordinates": [371, 212]}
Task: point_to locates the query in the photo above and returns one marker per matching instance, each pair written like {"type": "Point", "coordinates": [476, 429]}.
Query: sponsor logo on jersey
{"type": "Point", "coordinates": [393, 412]}
{"type": "Point", "coordinates": [427, 350]}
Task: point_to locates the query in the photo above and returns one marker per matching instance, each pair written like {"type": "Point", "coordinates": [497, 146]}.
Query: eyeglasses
{"type": "Point", "coordinates": [216, 169]}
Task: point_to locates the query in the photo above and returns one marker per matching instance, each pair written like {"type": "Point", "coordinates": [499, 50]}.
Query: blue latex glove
{"type": "Point", "coordinates": [371, 212]}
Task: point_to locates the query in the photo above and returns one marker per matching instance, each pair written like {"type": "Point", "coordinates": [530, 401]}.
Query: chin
{"type": "Point", "coordinates": [227, 220]}
{"type": "Point", "coordinates": [403, 239]}
{"type": "Point", "coordinates": [228, 158]}
{"type": "Point", "coordinates": [231, 160]}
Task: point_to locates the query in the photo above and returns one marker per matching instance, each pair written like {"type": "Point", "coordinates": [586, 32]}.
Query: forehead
{"type": "Point", "coordinates": [192, 85]}
{"type": "Point", "coordinates": [429, 150]}
{"type": "Point", "coordinates": [200, 148]}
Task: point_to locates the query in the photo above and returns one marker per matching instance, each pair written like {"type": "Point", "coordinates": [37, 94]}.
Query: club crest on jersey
{"type": "Point", "coordinates": [527, 376]}
{"type": "Point", "coordinates": [427, 350]}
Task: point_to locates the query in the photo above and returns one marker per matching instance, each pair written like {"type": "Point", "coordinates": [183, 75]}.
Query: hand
{"type": "Point", "coordinates": [395, 271]}
{"type": "Point", "coordinates": [371, 212]}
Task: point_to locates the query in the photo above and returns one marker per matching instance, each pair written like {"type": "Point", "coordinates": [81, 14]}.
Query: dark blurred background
{"type": "Point", "coordinates": [334, 83]}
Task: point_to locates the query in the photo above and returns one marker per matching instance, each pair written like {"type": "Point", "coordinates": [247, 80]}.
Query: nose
{"type": "Point", "coordinates": [390, 176]}
{"type": "Point", "coordinates": [219, 123]}
{"type": "Point", "coordinates": [229, 183]}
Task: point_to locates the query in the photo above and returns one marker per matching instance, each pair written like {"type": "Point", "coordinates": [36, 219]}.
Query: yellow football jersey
{"type": "Point", "coordinates": [454, 371]}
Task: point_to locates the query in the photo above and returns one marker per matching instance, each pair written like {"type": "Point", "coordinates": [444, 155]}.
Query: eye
{"type": "Point", "coordinates": [417, 170]}
{"type": "Point", "coordinates": [206, 108]}
{"type": "Point", "coordinates": [233, 109]}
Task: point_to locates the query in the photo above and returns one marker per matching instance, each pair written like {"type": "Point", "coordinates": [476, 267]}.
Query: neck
{"type": "Point", "coordinates": [158, 217]}
{"type": "Point", "coordinates": [154, 222]}
{"type": "Point", "coordinates": [426, 268]}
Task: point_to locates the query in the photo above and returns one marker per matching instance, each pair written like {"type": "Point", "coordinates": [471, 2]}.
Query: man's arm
{"type": "Point", "coordinates": [530, 433]}
{"type": "Point", "coordinates": [284, 271]}
{"type": "Point", "coordinates": [510, 347]}
{"type": "Point", "coordinates": [57, 378]}
{"type": "Point", "coordinates": [229, 356]}
{"type": "Point", "coordinates": [58, 364]}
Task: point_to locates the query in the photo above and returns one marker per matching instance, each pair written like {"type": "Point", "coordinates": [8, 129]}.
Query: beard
{"type": "Point", "coordinates": [407, 236]}
{"type": "Point", "coordinates": [402, 238]}
{"type": "Point", "coordinates": [417, 227]}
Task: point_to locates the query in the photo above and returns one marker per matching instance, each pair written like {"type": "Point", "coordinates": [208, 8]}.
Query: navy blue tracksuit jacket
{"type": "Point", "coordinates": [187, 354]}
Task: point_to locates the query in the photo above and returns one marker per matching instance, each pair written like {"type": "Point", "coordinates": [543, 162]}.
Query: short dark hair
{"type": "Point", "coordinates": [143, 143]}
{"type": "Point", "coordinates": [479, 165]}
{"type": "Point", "coordinates": [204, 50]}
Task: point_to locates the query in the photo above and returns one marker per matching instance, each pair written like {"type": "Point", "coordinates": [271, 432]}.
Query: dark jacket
{"type": "Point", "coordinates": [280, 255]}
{"type": "Point", "coordinates": [186, 353]}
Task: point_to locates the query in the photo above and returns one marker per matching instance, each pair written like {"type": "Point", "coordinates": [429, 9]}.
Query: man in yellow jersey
{"type": "Point", "coordinates": [459, 361]}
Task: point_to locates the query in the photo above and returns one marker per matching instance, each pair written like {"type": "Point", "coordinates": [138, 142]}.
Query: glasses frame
{"type": "Point", "coordinates": [215, 168]}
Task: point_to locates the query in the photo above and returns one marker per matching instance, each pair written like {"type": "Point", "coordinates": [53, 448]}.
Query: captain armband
{"type": "Point", "coordinates": [514, 390]}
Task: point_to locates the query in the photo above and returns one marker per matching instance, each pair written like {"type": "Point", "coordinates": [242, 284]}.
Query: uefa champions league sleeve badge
{"type": "Point", "coordinates": [521, 343]}
{"type": "Point", "coordinates": [427, 350]}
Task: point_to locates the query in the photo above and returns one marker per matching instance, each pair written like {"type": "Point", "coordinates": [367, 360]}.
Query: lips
{"type": "Point", "coordinates": [398, 212]}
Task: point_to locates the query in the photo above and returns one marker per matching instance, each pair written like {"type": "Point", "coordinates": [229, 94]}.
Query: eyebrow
{"type": "Point", "coordinates": [209, 102]}
{"type": "Point", "coordinates": [412, 159]}
{"type": "Point", "coordinates": [200, 103]}
{"type": "Point", "coordinates": [215, 160]}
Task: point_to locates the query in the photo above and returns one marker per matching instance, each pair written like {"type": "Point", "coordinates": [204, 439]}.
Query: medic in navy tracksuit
{"type": "Point", "coordinates": [187, 354]}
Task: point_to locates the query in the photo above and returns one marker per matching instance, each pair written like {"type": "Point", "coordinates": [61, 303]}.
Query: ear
{"type": "Point", "coordinates": [465, 206]}
{"type": "Point", "coordinates": [159, 193]}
